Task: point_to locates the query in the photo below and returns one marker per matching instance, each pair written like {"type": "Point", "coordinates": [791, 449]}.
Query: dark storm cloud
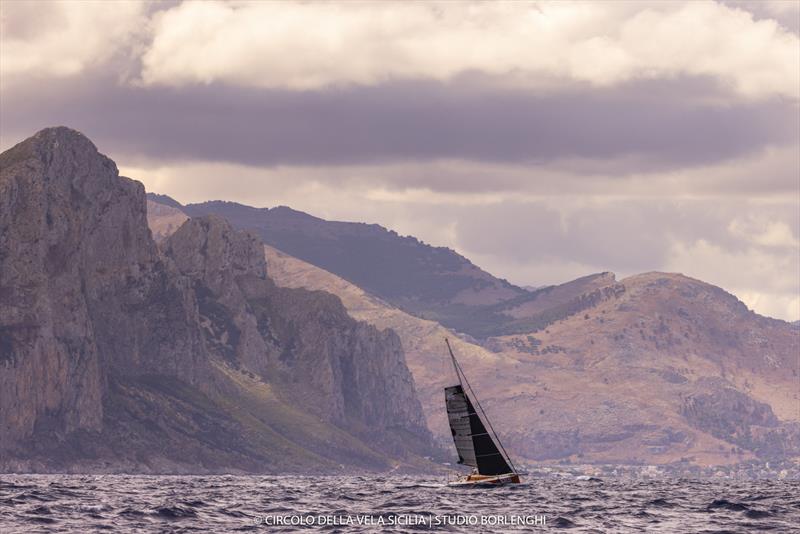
{"type": "Point", "coordinates": [659, 125]}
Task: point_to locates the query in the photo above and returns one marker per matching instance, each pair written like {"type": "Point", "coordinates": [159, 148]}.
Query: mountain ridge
{"type": "Point", "coordinates": [432, 282]}
{"type": "Point", "coordinates": [503, 315]}
{"type": "Point", "coordinates": [687, 345]}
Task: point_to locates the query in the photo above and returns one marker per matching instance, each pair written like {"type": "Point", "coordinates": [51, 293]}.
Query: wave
{"type": "Point", "coordinates": [150, 504]}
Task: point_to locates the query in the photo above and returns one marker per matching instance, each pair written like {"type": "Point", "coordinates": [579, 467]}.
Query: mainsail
{"type": "Point", "coordinates": [474, 444]}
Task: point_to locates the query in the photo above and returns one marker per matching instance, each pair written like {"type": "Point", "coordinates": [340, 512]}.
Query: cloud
{"type": "Point", "coordinates": [319, 44]}
{"type": "Point", "coordinates": [640, 126]}
{"type": "Point", "coordinates": [541, 46]}
{"type": "Point", "coordinates": [759, 230]}
{"type": "Point", "coordinates": [768, 281]}
{"type": "Point", "coordinates": [646, 120]}
{"type": "Point", "coordinates": [465, 183]}
{"type": "Point", "coordinates": [60, 39]}
{"type": "Point", "coordinates": [784, 12]}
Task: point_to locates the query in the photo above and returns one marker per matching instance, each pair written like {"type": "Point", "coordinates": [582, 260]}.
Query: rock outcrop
{"type": "Point", "coordinates": [163, 219]}
{"type": "Point", "coordinates": [118, 356]}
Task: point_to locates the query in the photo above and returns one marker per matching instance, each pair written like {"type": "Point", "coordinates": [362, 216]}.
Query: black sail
{"type": "Point", "coordinates": [474, 444]}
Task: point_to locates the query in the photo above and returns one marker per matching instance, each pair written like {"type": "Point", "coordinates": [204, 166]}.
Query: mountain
{"type": "Point", "coordinates": [118, 355]}
{"type": "Point", "coordinates": [302, 342]}
{"type": "Point", "coordinates": [656, 368]}
{"type": "Point", "coordinates": [678, 360]}
{"type": "Point", "coordinates": [431, 282]}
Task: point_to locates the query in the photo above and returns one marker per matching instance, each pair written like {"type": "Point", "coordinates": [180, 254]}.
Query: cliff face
{"type": "Point", "coordinates": [303, 342]}
{"type": "Point", "coordinates": [115, 355]}
{"type": "Point", "coordinates": [213, 258]}
{"type": "Point", "coordinates": [85, 293]}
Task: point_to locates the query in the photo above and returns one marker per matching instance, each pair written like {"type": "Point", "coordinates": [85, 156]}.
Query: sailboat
{"type": "Point", "coordinates": [476, 446]}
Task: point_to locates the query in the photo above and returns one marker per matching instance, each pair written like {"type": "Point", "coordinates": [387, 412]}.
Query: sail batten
{"type": "Point", "coordinates": [473, 442]}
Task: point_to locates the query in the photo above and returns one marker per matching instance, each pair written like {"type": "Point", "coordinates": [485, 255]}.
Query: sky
{"type": "Point", "coordinates": [542, 140]}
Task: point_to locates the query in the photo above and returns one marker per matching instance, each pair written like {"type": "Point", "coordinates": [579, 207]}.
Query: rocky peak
{"type": "Point", "coordinates": [209, 248]}
{"type": "Point", "coordinates": [691, 300]}
{"type": "Point", "coordinates": [605, 277]}
{"type": "Point", "coordinates": [57, 147]}
{"type": "Point", "coordinates": [58, 179]}
{"type": "Point", "coordinates": [214, 257]}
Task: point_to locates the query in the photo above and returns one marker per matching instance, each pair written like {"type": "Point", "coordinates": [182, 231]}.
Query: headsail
{"type": "Point", "coordinates": [474, 444]}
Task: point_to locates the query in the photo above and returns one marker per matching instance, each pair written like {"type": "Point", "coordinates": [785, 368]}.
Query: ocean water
{"type": "Point", "coordinates": [119, 503]}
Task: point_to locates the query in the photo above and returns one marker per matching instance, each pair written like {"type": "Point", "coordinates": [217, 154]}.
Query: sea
{"type": "Point", "coordinates": [136, 503]}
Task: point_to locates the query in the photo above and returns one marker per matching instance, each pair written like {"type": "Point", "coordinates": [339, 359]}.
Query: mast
{"type": "Point", "coordinates": [455, 363]}
{"type": "Point", "coordinates": [460, 374]}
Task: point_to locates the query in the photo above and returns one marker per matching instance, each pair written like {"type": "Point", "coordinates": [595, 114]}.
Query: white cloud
{"type": "Point", "coordinates": [58, 39]}
{"type": "Point", "coordinates": [786, 306]}
{"type": "Point", "coordinates": [760, 230]}
{"type": "Point", "coordinates": [315, 44]}
{"type": "Point", "coordinates": [768, 282]}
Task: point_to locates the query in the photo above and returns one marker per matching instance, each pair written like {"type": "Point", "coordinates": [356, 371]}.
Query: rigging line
{"type": "Point", "coordinates": [486, 417]}
{"type": "Point", "coordinates": [478, 402]}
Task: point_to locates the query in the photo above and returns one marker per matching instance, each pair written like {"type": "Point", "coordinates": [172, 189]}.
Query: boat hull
{"type": "Point", "coordinates": [486, 480]}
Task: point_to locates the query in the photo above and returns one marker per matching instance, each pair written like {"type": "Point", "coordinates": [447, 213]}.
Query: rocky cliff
{"type": "Point", "coordinates": [115, 355]}
{"type": "Point", "coordinates": [318, 357]}
{"type": "Point", "coordinates": [85, 293]}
